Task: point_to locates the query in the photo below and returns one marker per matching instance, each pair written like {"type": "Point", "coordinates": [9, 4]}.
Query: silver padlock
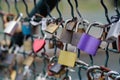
{"type": "Point", "coordinates": [113, 32]}
{"type": "Point", "coordinates": [12, 26]}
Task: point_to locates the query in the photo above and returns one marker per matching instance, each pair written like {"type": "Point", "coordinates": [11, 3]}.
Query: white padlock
{"type": "Point", "coordinates": [113, 32]}
{"type": "Point", "coordinates": [12, 26]}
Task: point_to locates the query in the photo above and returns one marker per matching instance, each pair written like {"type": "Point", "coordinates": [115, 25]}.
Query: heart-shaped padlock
{"type": "Point", "coordinates": [38, 44]}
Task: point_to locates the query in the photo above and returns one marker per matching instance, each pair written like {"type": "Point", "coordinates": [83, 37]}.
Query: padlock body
{"type": "Point", "coordinates": [89, 44]}
{"type": "Point", "coordinates": [11, 27]}
{"type": "Point", "coordinates": [26, 29]}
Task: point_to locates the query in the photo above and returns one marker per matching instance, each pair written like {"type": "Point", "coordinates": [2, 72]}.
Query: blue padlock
{"type": "Point", "coordinates": [26, 28]}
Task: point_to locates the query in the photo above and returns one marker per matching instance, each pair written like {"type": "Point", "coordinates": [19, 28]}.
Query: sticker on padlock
{"type": "Point", "coordinates": [13, 75]}
{"type": "Point", "coordinates": [67, 58]}
{"type": "Point", "coordinates": [27, 45]}
{"type": "Point", "coordinates": [88, 43]}
{"type": "Point", "coordinates": [52, 27]}
{"type": "Point", "coordinates": [28, 61]}
{"type": "Point", "coordinates": [26, 28]}
{"type": "Point", "coordinates": [12, 26]}
{"type": "Point", "coordinates": [113, 32]}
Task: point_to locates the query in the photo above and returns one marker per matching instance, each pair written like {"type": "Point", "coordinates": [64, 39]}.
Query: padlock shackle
{"type": "Point", "coordinates": [93, 24]}
{"type": "Point", "coordinates": [117, 78]}
{"type": "Point", "coordinates": [91, 68]}
{"type": "Point", "coordinates": [82, 22]}
{"type": "Point", "coordinates": [80, 62]}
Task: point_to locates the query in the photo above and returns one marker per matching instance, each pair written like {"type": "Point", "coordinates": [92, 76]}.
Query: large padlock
{"type": "Point", "coordinates": [67, 58]}
{"type": "Point", "coordinates": [52, 27]}
{"type": "Point", "coordinates": [88, 43]}
{"type": "Point", "coordinates": [12, 26]}
{"type": "Point", "coordinates": [28, 61]}
{"type": "Point", "coordinates": [26, 28]}
{"type": "Point", "coordinates": [113, 32]}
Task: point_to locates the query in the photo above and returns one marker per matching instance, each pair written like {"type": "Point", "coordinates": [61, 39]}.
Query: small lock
{"type": "Point", "coordinates": [38, 44]}
{"type": "Point", "coordinates": [52, 27]}
{"type": "Point", "coordinates": [67, 58]}
{"type": "Point", "coordinates": [26, 28]}
{"type": "Point", "coordinates": [88, 43]}
{"type": "Point", "coordinates": [27, 45]}
{"type": "Point", "coordinates": [51, 45]}
{"type": "Point", "coordinates": [12, 26]}
{"type": "Point", "coordinates": [113, 32]}
{"type": "Point", "coordinates": [28, 61]}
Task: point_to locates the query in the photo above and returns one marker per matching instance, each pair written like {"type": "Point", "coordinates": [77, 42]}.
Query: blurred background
{"type": "Point", "coordinates": [90, 10]}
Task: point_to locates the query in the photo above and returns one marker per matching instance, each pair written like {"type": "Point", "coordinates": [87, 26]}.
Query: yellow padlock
{"type": "Point", "coordinates": [67, 58]}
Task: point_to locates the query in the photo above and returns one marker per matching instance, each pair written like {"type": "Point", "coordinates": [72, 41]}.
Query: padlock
{"type": "Point", "coordinates": [71, 24]}
{"type": "Point", "coordinates": [13, 75]}
{"type": "Point", "coordinates": [110, 73]}
{"type": "Point", "coordinates": [51, 45]}
{"type": "Point", "coordinates": [41, 77]}
{"type": "Point", "coordinates": [113, 32]}
{"type": "Point", "coordinates": [88, 43]}
{"type": "Point", "coordinates": [77, 34]}
{"type": "Point", "coordinates": [67, 58]}
{"type": "Point", "coordinates": [28, 61]}
{"type": "Point", "coordinates": [27, 45]}
{"type": "Point", "coordinates": [60, 74]}
{"type": "Point", "coordinates": [12, 26]}
{"type": "Point", "coordinates": [26, 28]}
{"type": "Point", "coordinates": [52, 27]}
{"type": "Point", "coordinates": [56, 68]}
{"type": "Point", "coordinates": [38, 44]}
{"type": "Point", "coordinates": [66, 35]}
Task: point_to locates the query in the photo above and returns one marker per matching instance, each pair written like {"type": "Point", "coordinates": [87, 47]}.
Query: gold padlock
{"type": "Point", "coordinates": [67, 58]}
{"type": "Point", "coordinates": [28, 61]}
{"type": "Point", "coordinates": [52, 28]}
{"type": "Point", "coordinates": [28, 45]}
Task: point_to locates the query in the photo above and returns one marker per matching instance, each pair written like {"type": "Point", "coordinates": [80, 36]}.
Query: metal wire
{"type": "Point", "coordinates": [27, 12]}
{"type": "Point", "coordinates": [72, 9]}
{"type": "Point", "coordinates": [16, 7]}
